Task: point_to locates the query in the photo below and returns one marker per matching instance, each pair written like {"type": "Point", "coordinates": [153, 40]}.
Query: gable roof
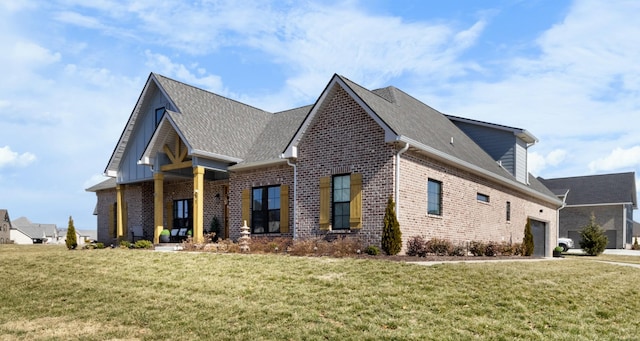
{"type": "Point", "coordinates": [209, 124]}
{"type": "Point", "coordinates": [34, 230]}
{"type": "Point", "coordinates": [600, 189]}
{"type": "Point", "coordinates": [108, 183]}
{"type": "Point", "coordinates": [407, 120]}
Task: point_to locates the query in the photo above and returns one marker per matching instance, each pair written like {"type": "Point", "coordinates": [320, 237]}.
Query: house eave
{"type": "Point", "coordinates": [257, 164]}
{"type": "Point", "coordinates": [446, 158]}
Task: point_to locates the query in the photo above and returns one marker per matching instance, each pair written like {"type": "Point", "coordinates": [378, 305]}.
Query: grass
{"type": "Point", "coordinates": [50, 293]}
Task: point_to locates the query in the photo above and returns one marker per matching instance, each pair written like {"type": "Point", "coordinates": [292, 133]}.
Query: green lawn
{"type": "Point", "coordinates": [49, 293]}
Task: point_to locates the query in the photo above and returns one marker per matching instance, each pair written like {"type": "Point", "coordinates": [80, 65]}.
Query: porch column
{"type": "Point", "coordinates": [158, 209]}
{"type": "Point", "coordinates": [198, 204]}
{"type": "Point", "coordinates": [119, 215]}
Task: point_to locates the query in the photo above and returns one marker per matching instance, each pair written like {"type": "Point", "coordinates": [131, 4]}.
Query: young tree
{"type": "Point", "coordinates": [71, 241]}
{"type": "Point", "coordinates": [527, 241]}
{"type": "Point", "coordinates": [391, 235]}
{"type": "Point", "coordinates": [593, 241]}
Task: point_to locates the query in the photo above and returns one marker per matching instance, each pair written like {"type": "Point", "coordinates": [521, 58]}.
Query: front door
{"type": "Point", "coordinates": [182, 219]}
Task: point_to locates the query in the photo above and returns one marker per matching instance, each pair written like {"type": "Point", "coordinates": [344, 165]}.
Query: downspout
{"type": "Point", "coordinates": [397, 194]}
{"type": "Point", "coordinates": [295, 198]}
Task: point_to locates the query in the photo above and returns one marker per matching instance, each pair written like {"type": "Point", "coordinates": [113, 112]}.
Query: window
{"type": "Point", "coordinates": [508, 210]}
{"type": "Point", "coordinates": [182, 217]}
{"type": "Point", "coordinates": [159, 113]}
{"type": "Point", "coordinates": [341, 202]}
{"type": "Point", "coordinates": [265, 217]}
{"type": "Point", "coordinates": [434, 197]}
{"type": "Point", "coordinates": [482, 197]}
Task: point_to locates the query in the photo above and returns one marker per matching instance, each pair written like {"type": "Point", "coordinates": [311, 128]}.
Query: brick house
{"type": "Point", "coordinates": [5, 227]}
{"type": "Point", "coordinates": [187, 155]}
{"type": "Point", "coordinates": [610, 197]}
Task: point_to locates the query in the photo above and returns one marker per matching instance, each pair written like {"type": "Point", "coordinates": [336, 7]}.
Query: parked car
{"type": "Point", "coordinates": [565, 243]}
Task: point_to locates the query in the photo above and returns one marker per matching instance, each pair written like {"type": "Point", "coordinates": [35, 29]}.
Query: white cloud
{"type": "Point", "coordinates": [10, 158]}
{"type": "Point", "coordinates": [163, 65]}
{"type": "Point", "coordinates": [619, 158]}
{"type": "Point", "coordinates": [537, 162]}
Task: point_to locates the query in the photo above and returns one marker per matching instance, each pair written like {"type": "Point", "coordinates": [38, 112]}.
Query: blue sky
{"type": "Point", "coordinates": [566, 71]}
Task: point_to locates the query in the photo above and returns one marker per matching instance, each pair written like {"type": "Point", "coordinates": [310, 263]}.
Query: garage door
{"type": "Point", "coordinates": [538, 229]}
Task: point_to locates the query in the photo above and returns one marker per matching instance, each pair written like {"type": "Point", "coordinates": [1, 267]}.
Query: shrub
{"type": "Point", "coordinates": [99, 245]}
{"type": "Point", "coordinates": [594, 241]}
{"type": "Point", "coordinates": [391, 235]}
{"type": "Point", "coordinates": [125, 244]}
{"type": "Point", "coordinates": [458, 251]}
{"type": "Point", "coordinates": [492, 249]}
{"type": "Point", "coordinates": [507, 249]}
{"type": "Point", "coordinates": [372, 250]}
{"type": "Point", "coordinates": [527, 241]}
{"type": "Point", "coordinates": [71, 241]}
{"type": "Point", "coordinates": [517, 249]}
{"type": "Point", "coordinates": [270, 245]}
{"type": "Point", "coordinates": [143, 244]}
{"type": "Point", "coordinates": [477, 248]}
{"type": "Point", "coordinates": [635, 245]}
{"type": "Point", "coordinates": [439, 247]}
{"type": "Point", "coordinates": [416, 246]}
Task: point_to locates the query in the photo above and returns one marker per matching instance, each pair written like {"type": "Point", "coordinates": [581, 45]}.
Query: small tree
{"type": "Point", "coordinates": [593, 241]}
{"type": "Point", "coordinates": [71, 241]}
{"type": "Point", "coordinates": [527, 241]}
{"type": "Point", "coordinates": [391, 235]}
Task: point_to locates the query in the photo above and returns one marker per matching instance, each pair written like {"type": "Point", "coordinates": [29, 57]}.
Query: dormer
{"type": "Point", "coordinates": [507, 145]}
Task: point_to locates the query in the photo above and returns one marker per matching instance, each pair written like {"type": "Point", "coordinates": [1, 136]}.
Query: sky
{"type": "Point", "coordinates": [72, 70]}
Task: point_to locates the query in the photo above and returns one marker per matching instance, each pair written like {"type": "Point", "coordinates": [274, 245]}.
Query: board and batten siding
{"type": "Point", "coordinates": [502, 146]}
{"type": "Point", "coordinates": [130, 170]}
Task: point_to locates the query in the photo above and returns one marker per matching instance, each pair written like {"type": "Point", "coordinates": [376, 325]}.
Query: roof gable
{"type": "Point", "coordinates": [600, 189]}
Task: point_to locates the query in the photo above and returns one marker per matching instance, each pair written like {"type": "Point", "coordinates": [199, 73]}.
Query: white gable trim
{"type": "Point", "coordinates": [292, 148]}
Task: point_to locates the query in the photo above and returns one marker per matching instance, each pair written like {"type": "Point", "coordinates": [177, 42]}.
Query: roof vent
{"type": "Point", "coordinates": [451, 140]}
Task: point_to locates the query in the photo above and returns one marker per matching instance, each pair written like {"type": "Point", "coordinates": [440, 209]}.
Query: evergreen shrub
{"type": "Point", "coordinates": [593, 241]}
{"type": "Point", "coordinates": [391, 235]}
{"type": "Point", "coordinates": [71, 241]}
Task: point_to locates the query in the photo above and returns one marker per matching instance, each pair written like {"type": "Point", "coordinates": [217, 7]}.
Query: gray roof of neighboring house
{"type": "Point", "coordinates": [213, 123]}
{"type": "Point", "coordinates": [596, 189]}
{"type": "Point", "coordinates": [34, 230]}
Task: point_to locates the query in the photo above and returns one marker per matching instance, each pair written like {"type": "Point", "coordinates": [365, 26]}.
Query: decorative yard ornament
{"type": "Point", "coordinates": [245, 239]}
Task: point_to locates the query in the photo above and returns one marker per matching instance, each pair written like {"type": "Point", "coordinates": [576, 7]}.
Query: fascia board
{"type": "Point", "coordinates": [444, 157]}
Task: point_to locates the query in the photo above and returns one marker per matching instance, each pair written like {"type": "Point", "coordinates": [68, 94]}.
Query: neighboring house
{"type": "Point", "coordinates": [5, 227]}
{"type": "Point", "coordinates": [26, 232]}
{"type": "Point", "coordinates": [324, 170]}
{"type": "Point", "coordinates": [610, 197]}
{"type": "Point", "coordinates": [82, 236]}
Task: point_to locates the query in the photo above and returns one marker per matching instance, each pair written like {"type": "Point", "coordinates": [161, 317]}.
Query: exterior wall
{"type": "Point", "coordinates": [106, 199]}
{"type": "Point", "coordinates": [129, 170]}
{"type": "Point", "coordinates": [610, 218]}
{"type": "Point", "coordinates": [520, 158]}
{"type": "Point", "coordinates": [501, 145]}
{"type": "Point", "coordinates": [464, 218]}
{"type": "Point", "coordinates": [19, 237]}
{"type": "Point", "coordinates": [343, 139]}
{"type": "Point", "coordinates": [140, 206]}
{"type": "Point", "coordinates": [5, 229]}
{"type": "Point", "coordinates": [238, 181]}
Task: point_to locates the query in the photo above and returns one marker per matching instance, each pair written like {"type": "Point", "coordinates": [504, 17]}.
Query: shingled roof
{"type": "Point", "coordinates": [212, 123]}
{"type": "Point", "coordinates": [600, 189]}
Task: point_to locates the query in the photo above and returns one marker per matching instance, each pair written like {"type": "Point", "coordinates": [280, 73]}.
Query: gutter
{"type": "Point", "coordinates": [479, 171]}
{"type": "Point", "coordinates": [257, 164]}
{"type": "Point", "coordinates": [295, 197]}
{"type": "Point", "coordinates": [397, 194]}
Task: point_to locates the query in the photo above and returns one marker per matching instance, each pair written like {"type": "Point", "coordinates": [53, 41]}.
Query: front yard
{"type": "Point", "coordinates": [50, 293]}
